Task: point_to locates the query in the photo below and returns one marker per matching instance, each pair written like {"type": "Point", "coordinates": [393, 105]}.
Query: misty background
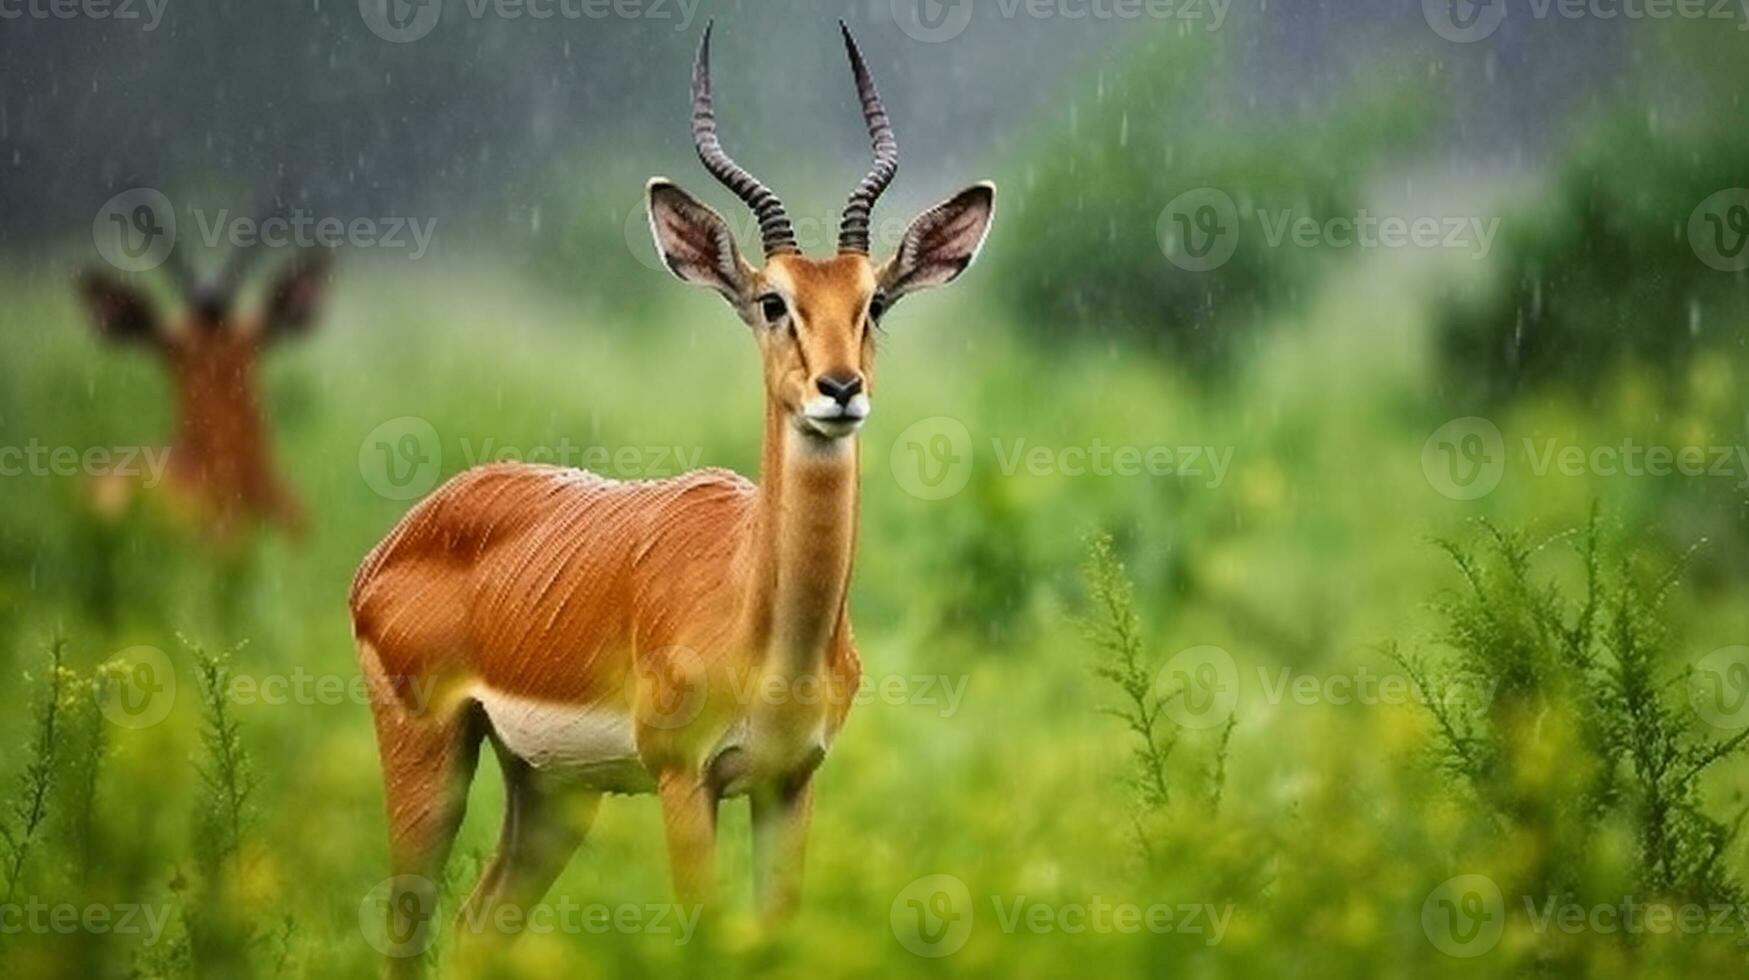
{"type": "Point", "coordinates": [1427, 462]}
{"type": "Point", "coordinates": [516, 132]}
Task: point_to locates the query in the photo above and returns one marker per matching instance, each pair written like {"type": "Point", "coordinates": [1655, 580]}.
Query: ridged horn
{"type": "Point", "coordinates": [774, 225]}
{"type": "Point", "coordinates": [853, 227]}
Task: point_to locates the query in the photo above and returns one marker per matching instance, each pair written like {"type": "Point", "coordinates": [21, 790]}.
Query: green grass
{"type": "Point", "coordinates": [1335, 823]}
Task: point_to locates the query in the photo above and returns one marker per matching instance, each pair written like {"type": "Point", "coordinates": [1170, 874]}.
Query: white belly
{"type": "Point", "coordinates": [592, 745]}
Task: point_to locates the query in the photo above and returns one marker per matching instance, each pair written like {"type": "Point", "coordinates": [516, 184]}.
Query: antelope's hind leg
{"type": "Point", "coordinates": [428, 762]}
{"type": "Point", "coordinates": [545, 821]}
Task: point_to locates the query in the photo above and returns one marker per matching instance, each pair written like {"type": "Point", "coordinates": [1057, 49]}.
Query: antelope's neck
{"type": "Point", "coordinates": [805, 545]}
{"type": "Point", "coordinates": [219, 430]}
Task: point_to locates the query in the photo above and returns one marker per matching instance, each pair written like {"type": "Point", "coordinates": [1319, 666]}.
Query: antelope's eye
{"type": "Point", "coordinates": [877, 306]}
{"type": "Point", "coordinates": [772, 307]}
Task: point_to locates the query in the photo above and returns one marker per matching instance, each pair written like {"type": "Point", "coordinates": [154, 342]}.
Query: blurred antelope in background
{"type": "Point", "coordinates": [656, 636]}
{"type": "Point", "coordinates": [220, 476]}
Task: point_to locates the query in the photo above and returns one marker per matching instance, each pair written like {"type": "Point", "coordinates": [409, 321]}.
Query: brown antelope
{"type": "Point", "coordinates": [630, 637]}
{"type": "Point", "coordinates": [220, 474]}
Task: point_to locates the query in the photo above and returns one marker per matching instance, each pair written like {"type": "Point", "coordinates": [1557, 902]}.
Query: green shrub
{"type": "Point", "coordinates": [1557, 715]}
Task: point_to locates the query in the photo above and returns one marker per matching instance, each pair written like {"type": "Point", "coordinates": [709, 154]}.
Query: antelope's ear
{"type": "Point", "coordinates": [295, 294]}
{"type": "Point", "coordinates": [121, 313]}
{"type": "Point", "coordinates": [695, 242]}
{"type": "Point", "coordinates": [941, 243]}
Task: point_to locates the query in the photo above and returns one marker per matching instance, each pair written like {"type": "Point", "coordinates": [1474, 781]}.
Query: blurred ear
{"type": "Point", "coordinates": [296, 293]}
{"type": "Point", "coordinates": [121, 313]}
{"type": "Point", "coordinates": [941, 243]}
{"type": "Point", "coordinates": [695, 242]}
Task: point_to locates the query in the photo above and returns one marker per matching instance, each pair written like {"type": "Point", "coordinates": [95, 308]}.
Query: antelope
{"type": "Point", "coordinates": [220, 474]}
{"type": "Point", "coordinates": [605, 635]}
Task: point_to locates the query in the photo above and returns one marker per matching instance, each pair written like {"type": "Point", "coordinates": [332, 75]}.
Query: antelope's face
{"type": "Point", "coordinates": [815, 325]}
{"type": "Point", "coordinates": [210, 351]}
{"type": "Point", "coordinates": [814, 319]}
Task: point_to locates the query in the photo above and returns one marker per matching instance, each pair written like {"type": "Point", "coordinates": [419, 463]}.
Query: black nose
{"type": "Point", "coordinates": [841, 388]}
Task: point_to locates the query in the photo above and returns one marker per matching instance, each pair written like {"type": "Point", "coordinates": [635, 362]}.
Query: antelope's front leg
{"type": "Point", "coordinates": [781, 814]}
{"type": "Point", "coordinates": [689, 815]}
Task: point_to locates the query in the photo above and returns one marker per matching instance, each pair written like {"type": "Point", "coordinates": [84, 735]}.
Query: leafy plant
{"type": "Point", "coordinates": [27, 812]}
{"type": "Point", "coordinates": [1557, 713]}
{"type": "Point", "coordinates": [227, 778]}
{"type": "Point", "coordinates": [1115, 628]}
{"type": "Point", "coordinates": [218, 927]}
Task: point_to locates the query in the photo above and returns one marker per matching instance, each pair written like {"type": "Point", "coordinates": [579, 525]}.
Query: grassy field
{"type": "Point", "coordinates": [1295, 807]}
